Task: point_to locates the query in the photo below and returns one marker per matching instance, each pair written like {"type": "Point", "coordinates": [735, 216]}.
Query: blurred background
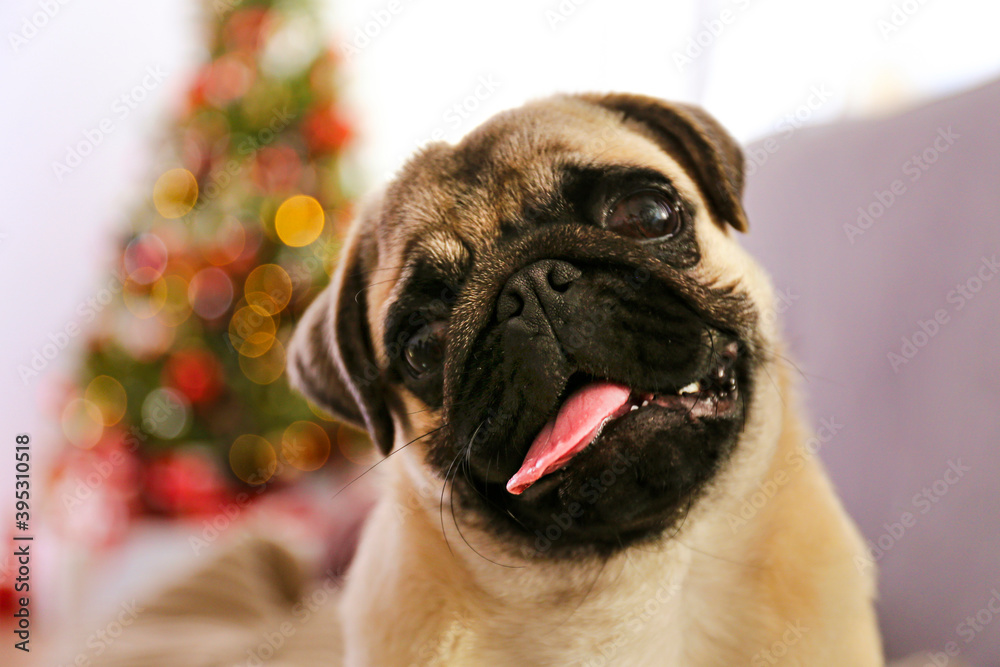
{"type": "Point", "coordinates": [178, 175]}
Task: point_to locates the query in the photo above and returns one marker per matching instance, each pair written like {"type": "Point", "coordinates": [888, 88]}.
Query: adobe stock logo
{"type": "Point", "coordinates": [462, 109]}
{"type": "Point", "coordinates": [121, 109]}
{"type": "Point", "coordinates": [959, 298]}
{"type": "Point", "coordinates": [922, 503]}
{"type": "Point", "coordinates": [774, 653]}
{"type": "Point", "coordinates": [58, 340]}
{"type": "Point", "coordinates": [364, 35]}
{"type": "Point", "coordinates": [31, 25]}
{"type": "Point", "coordinates": [759, 154]}
{"type": "Point", "coordinates": [900, 15]}
{"type": "Point", "coordinates": [914, 168]}
{"type": "Point", "coordinates": [710, 30]}
{"type": "Point", "coordinates": [794, 462]}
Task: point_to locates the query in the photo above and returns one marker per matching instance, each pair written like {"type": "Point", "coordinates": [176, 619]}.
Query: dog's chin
{"type": "Point", "coordinates": [632, 480]}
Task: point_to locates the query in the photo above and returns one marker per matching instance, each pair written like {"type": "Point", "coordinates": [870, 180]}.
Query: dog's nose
{"type": "Point", "coordinates": [536, 289]}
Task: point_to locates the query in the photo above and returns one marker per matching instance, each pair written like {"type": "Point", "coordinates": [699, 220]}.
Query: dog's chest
{"type": "Point", "coordinates": [642, 638]}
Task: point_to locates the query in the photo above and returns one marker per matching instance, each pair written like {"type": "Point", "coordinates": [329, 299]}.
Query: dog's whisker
{"type": "Point", "coordinates": [776, 385]}
{"type": "Point", "coordinates": [730, 561]}
{"type": "Point", "coordinates": [474, 550]}
{"type": "Point", "coordinates": [444, 488]}
{"type": "Point", "coordinates": [365, 272]}
{"type": "Point", "coordinates": [369, 286]}
{"type": "Point", "coordinates": [384, 459]}
{"type": "Point", "coordinates": [459, 464]}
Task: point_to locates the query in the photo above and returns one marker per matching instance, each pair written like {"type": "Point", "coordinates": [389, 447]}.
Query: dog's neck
{"type": "Point", "coordinates": [493, 607]}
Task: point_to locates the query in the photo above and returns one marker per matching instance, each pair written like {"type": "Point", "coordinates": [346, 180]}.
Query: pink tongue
{"type": "Point", "coordinates": [579, 418]}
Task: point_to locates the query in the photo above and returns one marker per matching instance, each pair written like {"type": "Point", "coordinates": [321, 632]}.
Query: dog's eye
{"type": "Point", "coordinates": [424, 352]}
{"type": "Point", "coordinates": [647, 214]}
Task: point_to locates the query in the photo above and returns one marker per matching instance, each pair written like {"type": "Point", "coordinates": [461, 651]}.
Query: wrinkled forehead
{"type": "Point", "coordinates": [449, 201]}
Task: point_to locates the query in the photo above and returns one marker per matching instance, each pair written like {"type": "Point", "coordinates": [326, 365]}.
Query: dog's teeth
{"type": "Point", "coordinates": [633, 408]}
{"type": "Point", "coordinates": [692, 388]}
{"type": "Point", "coordinates": [645, 403]}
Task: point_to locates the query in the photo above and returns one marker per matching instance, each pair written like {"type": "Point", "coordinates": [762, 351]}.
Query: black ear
{"type": "Point", "coordinates": [697, 141]}
{"type": "Point", "coordinates": [331, 359]}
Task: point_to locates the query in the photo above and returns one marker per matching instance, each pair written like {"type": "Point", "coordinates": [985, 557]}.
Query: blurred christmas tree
{"type": "Point", "coordinates": [181, 400]}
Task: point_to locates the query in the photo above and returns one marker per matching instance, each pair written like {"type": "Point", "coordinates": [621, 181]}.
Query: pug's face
{"type": "Point", "coordinates": [553, 318]}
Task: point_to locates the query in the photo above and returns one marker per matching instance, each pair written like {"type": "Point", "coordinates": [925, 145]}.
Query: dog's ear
{"type": "Point", "coordinates": [697, 140]}
{"type": "Point", "coordinates": [331, 359]}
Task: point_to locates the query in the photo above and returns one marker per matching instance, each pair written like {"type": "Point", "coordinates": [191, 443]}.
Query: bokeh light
{"type": "Point", "coordinates": [267, 367]}
{"type": "Point", "coordinates": [194, 372]}
{"type": "Point", "coordinates": [144, 293]}
{"type": "Point", "coordinates": [354, 449]}
{"type": "Point", "coordinates": [269, 287]}
{"type": "Point", "coordinates": [109, 396]}
{"type": "Point", "coordinates": [227, 242]}
{"type": "Point", "coordinates": [82, 423]}
{"type": "Point", "coordinates": [252, 459]}
{"type": "Point", "coordinates": [176, 307]}
{"type": "Point", "coordinates": [146, 251]}
{"type": "Point", "coordinates": [166, 413]}
{"type": "Point", "coordinates": [144, 340]}
{"type": "Point", "coordinates": [305, 445]}
{"type": "Point", "coordinates": [248, 29]}
{"type": "Point", "coordinates": [228, 78]}
{"type": "Point", "coordinates": [175, 193]}
{"type": "Point", "coordinates": [175, 234]}
{"type": "Point", "coordinates": [252, 331]}
{"type": "Point", "coordinates": [264, 302]}
{"type": "Point", "coordinates": [276, 169]}
{"type": "Point", "coordinates": [299, 221]}
{"type": "Point", "coordinates": [210, 293]}
{"type": "Point", "coordinates": [320, 412]}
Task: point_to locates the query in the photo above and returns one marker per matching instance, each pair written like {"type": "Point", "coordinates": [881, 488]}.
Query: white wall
{"type": "Point", "coordinates": [760, 60]}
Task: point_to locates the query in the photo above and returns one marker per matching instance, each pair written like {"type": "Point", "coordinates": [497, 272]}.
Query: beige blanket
{"type": "Point", "coordinates": [250, 606]}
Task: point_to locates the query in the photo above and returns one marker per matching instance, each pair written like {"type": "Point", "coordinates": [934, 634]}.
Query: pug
{"type": "Point", "coordinates": [593, 450]}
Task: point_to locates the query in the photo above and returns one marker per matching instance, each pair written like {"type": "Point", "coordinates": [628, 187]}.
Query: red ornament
{"type": "Point", "coordinates": [195, 373]}
{"type": "Point", "coordinates": [221, 82]}
{"type": "Point", "coordinates": [7, 598]}
{"type": "Point", "coordinates": [184, 483]}
{"type": "Point", "coordinates": [325, 130]}
{"type": "Point", "coordinates": [97, 489]}
{"type": "Point", "coordinates": [196, 93]}
{"type": "Point", "coordinates": [276, 169]}
{"type": "Point", "coordinates": [247, 29]}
